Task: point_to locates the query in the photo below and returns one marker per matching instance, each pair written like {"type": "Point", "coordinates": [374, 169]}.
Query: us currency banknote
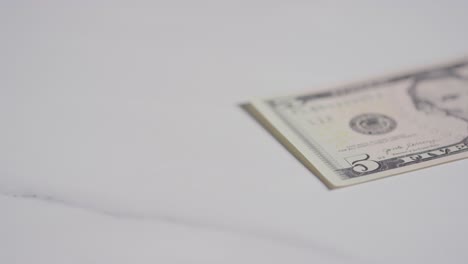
{"type": "Point", "coordinates": [374, 129]}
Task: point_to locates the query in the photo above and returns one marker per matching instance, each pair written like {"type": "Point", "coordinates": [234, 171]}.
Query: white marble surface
{"type": "Point", "coordinates": [121, 140]}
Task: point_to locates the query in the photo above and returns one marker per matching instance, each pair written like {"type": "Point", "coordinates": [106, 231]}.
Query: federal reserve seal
{"type": "Point", "coordinates": [372, 124]}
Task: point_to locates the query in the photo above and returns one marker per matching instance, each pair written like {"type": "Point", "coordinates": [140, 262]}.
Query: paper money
{"type": "Point", "coordinates": [374, 129]}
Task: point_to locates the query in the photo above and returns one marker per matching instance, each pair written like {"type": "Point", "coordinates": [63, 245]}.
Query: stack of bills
{"type": "Point", "coordinates": [377, 128]}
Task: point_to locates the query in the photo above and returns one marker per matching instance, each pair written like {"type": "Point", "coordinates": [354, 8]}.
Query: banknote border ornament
{"type": "Point", "coordinates": [360, 166]}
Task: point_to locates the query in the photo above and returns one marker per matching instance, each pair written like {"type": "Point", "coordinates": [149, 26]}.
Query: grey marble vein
{"type": "Point", "coordinates": [291, 240]}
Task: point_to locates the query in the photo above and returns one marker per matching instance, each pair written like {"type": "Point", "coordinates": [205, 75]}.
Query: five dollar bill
{"type": "Point", "coordinates": [377, 128]}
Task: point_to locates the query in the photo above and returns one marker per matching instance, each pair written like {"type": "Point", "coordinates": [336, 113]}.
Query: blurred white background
{"type": "Point", "coordinates": [121, 139]}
